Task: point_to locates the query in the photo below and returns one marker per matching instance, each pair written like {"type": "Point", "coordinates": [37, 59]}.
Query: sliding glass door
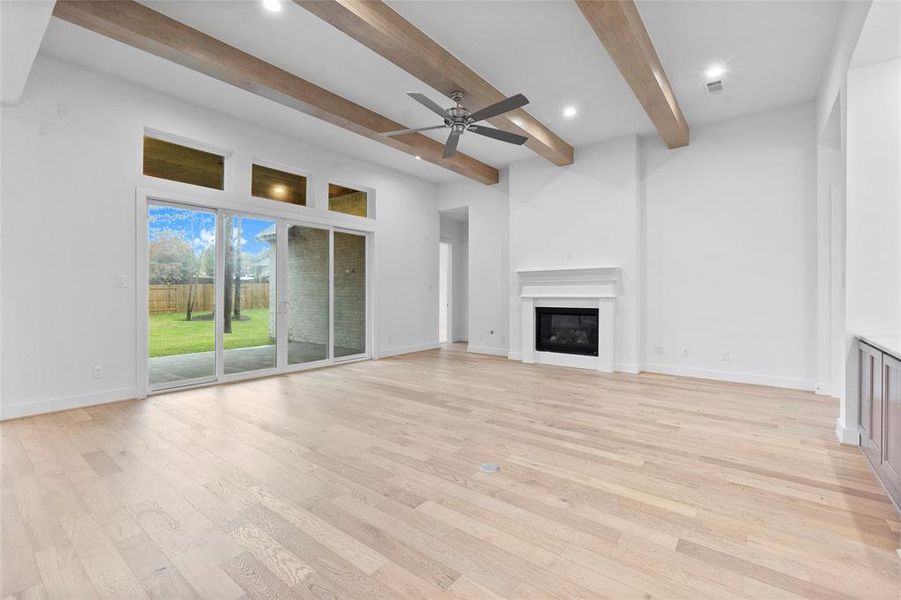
{"type": "Point", "coordinates": [307, 307]}
{"type": "Point", "coordinates": [249, 315]}
{"type": "Point", "coordinates": [232, 294]}
{"type": "Point", "coordinates": [349, 285]}
{"type": "Point", "coordinates": [181, 251]}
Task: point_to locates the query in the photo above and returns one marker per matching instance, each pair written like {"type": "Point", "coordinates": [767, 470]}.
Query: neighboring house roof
{"type": "Point", "coordinates": [267, 235]}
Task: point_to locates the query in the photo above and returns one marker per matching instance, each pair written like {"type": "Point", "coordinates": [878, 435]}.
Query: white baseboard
{"type": "Point", "coordinates": [845, 435]}
{"type": "Point", "coordinates": [733, 376]}
{"type": "Point", "coordinates": [459, 338]}
{"type": "Point", "coordinates": [618, 367]}
{"type": "Point", "coordinates": [487, 350]}
{"type": "Point", "coordinates": [407, 349]}
{"type": "Point", "coordinates": [40, 407]}
{"type": "Point", "coordinates": [824, 389]}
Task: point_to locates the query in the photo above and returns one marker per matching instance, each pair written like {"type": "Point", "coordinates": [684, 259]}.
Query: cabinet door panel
{"type": "Point", "coordinates": [871, 402]}
{"type": "Point", "coordinates": [891, 386]}
{"type": "Point", "coordinates": [865, 393]}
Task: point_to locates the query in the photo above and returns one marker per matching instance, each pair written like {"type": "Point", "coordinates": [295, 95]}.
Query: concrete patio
{"type": "Point", "coordinates": [183, 367]}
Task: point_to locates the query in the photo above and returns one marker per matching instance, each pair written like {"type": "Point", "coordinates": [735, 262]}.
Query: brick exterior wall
{"type": "Point", "coordinates": [352, 204]}
{"type": "Point", "coordinates": [308, 288]}
{"type": "Point", "coordinates": [350, 291]}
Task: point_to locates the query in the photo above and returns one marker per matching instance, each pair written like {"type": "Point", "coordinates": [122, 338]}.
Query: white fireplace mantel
{"type": "Point", "coordinates": [588, 287]}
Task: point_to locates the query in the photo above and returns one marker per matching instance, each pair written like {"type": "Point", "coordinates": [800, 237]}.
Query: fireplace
{"type": "Point", "coordinates": [566, 330]}
{"type": "Point", "coordinates": [578, 303]}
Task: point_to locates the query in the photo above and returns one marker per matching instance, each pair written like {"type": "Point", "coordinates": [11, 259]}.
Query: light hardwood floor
{"type": "Point", "coordinates": [363, 481]}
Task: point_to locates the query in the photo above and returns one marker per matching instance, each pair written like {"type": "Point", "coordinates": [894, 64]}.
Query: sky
{"type": "Point", "coordinates": [199, 227]}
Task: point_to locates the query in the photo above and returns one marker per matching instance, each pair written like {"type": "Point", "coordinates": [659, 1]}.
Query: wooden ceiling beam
{"type": "Point", "coordinates": [618, 25]}
{"type": "Point", "coordinates": [378, 27]}
{"type": "Point", "coordinates": [136, 25]}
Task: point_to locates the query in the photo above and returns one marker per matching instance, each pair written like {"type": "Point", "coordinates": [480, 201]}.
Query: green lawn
{"type": "Point", "coordinates": [171, 334]}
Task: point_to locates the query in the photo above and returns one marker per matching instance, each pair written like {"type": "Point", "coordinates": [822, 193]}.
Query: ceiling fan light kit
{"type": "Point", "coordinates": [460, 120]}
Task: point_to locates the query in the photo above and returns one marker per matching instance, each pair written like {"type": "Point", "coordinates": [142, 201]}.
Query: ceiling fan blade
{"type": "Point", "coordinates": [498, 108]}
{"type": "Point", "coordinates": [504, 136]}
{"type": "Point", "coordinates": [428, 103]}
{"type": "Point", "coordinates": [451, 146]}
{"type": "Point", "coordinates": [403, 131]}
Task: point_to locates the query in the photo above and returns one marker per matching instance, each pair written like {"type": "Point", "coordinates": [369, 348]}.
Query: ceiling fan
{"type": "Point", "coordinates": [459, 120]}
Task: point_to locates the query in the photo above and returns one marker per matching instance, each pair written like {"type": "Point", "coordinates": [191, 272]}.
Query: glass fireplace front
{"type": "Point", "coordinates": [566, 330]}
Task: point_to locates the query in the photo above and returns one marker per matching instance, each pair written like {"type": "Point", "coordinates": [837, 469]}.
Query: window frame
{"type": "Point", "coordinates": [164, 136]}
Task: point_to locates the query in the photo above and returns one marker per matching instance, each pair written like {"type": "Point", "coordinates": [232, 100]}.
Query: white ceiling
{"type": "Point", "coordinates": [775, 53]}
{"type": "Point", "coordinates": [880, 38]}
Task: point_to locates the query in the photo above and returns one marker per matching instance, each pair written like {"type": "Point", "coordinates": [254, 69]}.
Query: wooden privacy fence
{"type": "Point", "coordinates": [174, 298]}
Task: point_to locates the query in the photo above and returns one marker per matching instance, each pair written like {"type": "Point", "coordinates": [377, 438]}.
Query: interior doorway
{"type": "Point", "coordinates": [445, 258]}
{"type": "Point", "coordinates": [453, 275]}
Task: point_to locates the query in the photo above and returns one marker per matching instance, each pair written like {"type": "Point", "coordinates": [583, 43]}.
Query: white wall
{"type": "Point", "coordinates": [71, 163]}
{"type": "Point", "coordinates": [874, 199]}
{"type": "Point", "coordinates": [873, 220]}
{"type": "Point", "coordinates": [717, 242]}
{"type": "Point", "coordinates": [731, 250]}
{"type": "Point", "coordinates": [456, 232]}
{"type": "Point", "coordinates": [583, 215]}
{"type": "Point", "coordinates": [488, 249]}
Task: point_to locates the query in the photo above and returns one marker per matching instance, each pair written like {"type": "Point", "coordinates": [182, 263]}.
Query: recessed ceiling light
{"type": "Point", "coordinates": [272, 5]}
{"type": "Point", "coordinates": [418, 157]}
{"type": "Point", "coordinates": [715, 71]}
{"type": "Point", "coordinates": [570, 111]}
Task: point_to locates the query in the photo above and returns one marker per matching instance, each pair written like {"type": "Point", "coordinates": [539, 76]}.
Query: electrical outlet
{"type": "Point", "coordinates": [658, 350]}
{"type": "Point", "coordinates": [121, 281]}
{"type": "Point", "coordinates": [684, 352]}
{"type": "Point", "coordinates": [724, 357]}
{"type": "Point", "coordinates": [98, 371]}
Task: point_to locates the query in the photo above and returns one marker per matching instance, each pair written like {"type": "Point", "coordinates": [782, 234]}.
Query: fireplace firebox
{"type": "Point", "coordinates": [566, 330]}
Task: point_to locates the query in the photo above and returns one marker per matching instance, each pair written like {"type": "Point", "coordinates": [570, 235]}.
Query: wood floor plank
{"type": "Point", "coordinates": [255, 579]}
{"type": "Point", "coordinates": [199, 568]}
{"type": "Point", "coordinates": [18, 570]}
{"type": "Point", "coordinates": [62, 572]}
{"type": "Point", "coordinates": [363, 481]}
{"type": "Point", "coordinates": [154, 571]}
{"type": "Point", "coordinates": [104, 565]}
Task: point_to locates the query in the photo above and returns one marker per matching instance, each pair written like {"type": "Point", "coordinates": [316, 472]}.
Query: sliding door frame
{"type": "Point", "coordinates": [225, 205]}
{"type": "Point", "coordinates": [367, 243]}
{"type": "Point", "coordinates": [143, 325]}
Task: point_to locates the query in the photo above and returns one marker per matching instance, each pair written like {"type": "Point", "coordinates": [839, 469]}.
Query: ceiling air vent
{"type": "Point", "coordinates": [714, 87]}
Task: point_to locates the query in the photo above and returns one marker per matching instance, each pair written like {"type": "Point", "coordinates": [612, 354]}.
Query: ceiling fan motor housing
{"type": "Point", "coordinates": [458, 117]}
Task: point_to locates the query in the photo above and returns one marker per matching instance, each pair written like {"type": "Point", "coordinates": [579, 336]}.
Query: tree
{"type": "Point", "coordinates": [204, 265]}
{"type": "Point", "coordinates": [208, 262]}
{"type": "Point", "coordinates": [171, 258]}
{"type": "Point", "coordinates": [238, 271]}
{"type": "Point", "coordinates": [229, 260]}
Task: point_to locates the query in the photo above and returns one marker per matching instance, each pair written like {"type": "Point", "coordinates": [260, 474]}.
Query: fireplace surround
{"type": "Point", "coordinates": [592, 288]}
